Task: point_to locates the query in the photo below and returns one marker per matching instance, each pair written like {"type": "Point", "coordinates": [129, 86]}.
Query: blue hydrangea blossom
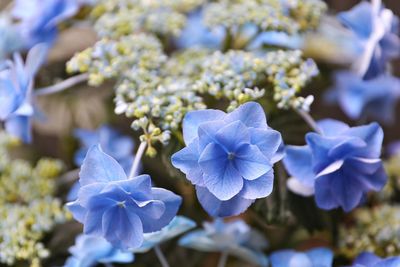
{"type": "Point", "coordinates": [375, 98]}
{"type": "Point", "coordinates": [377, 29]}
{"type": "Point", "coordinates": [88, 251]}
{"type": "Point", "coordinates": [117, 208]}
{"type": "Point", "coordinates": [16, 85]}
{"type": "Point", "coordinates": [229, 157]}
{"type": "Point", "coordinates": [39, 19]}
{"type": "Point", "coordinates": [317, 257]}
{"type": "Point", "coordinates": [339, 166]}
{"type": "Point", "coordinates": [368, 259]}
{"type": "Point", "coordinates": [235, 238]}
{"type": "Point", "coordinates": [176, 227]}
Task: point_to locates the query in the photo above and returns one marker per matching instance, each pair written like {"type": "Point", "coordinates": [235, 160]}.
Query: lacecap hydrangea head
{"type": "Point", "coordinates": [229, 157]}
{"type": "Point", "coordinates": [16, 85]}
{"type": "Point", "coordinates": [339, 166]}
{"type": "Point", "coordinates": [368, 259]}
{"type": "Point", "coordinates": [116, 208]}
{"type": "Point", "coordinates": [88, 251]}
{"type": "Point", "coordinates": [317, 257]}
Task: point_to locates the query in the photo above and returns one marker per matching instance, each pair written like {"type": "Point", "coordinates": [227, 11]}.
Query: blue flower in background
{"type": "Point", "coordinates": [367, 259]}
{"type": "Point", "coordinates": [340, 165]}
{"type": "Point", "coordinates": [229, 157]}
{"type": "Point", "coordinates": [235, 238]}
{"type": "Point", "coordinates": [113, 143]}
{"type": "Point", "coordinates": [88, 251]}
{"type": "Point", "coordinates": [197, 34]}
{"type": "Point", "coordinates": [377, 29]}
{"type": "Point", "coordinates": [16, 85]}
{"type": "Point", "coordinates": [375, 98]}
{"type": "Point", "coordinates": [10, 40]}
{"type": "Point", "coordinates": [176, 227]}
{"type": "Point", "coordinates": [117, 208]}
{"type": "Point", "coordinates": [39, 19]}
{"type": "Point", "coordinates": [317, 257]}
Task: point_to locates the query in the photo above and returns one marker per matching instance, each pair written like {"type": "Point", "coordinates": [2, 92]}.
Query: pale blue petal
{"type": "Point", "coordinates": [250, 162]}
{"type": "Point", "coordinates": [391, 262]}
{"type": "Point", "coordinates": [232, 135]}
{"type": "Point", "coordinates": [250, 114]}
{"type": "Point", "coordinates": [324, 197]}
{"type": "Point", "coordinates": [99, 167]}
{"type": "Point", "coordinates": [218, 208]}
{"type": "Point", "coordinates": [267, 140]}
{"type": "Point", "coordinates": [321, 257]}
{"type": "Point", "coordinates": [207, 132]}
{"type": "Point", "coordinates": [78, 212]}
{"type": "Point", "coordinates": [19, 126]}
{"type": "Point", "coordinates": [367, 259]}
{"type": "Point", "coordinates": [193, 119]}
{"type": "Point", "coordinates": [359, 19]}
{"type": "Point", "coordinates": [258, 188]}
{"type": "Point", "coordinates": [298, 163]}
{"type": "Point", "coordinates": [372, 134]}
{"type": "Point", "coordinates": [281, 258]}
{"type": "Point", "coordinates": [330, 127]}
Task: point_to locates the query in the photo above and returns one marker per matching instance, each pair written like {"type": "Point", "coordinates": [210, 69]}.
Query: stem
{"type": "Point", "coordinates": [223, 259]}
{"type": "Point", "coordinates": [138, 157]}
{"type": "Point", "coordinates": [309, 120]}
{"type": "Point", "coordinates": [68, 83]}
{"type": "Point", "coordinates": [161, 257]}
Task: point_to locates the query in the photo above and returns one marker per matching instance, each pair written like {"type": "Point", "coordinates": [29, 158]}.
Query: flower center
{"type": "Point", "coordinates": [231, 155]}
{"type": "Point", "coordinates": [121, 204]}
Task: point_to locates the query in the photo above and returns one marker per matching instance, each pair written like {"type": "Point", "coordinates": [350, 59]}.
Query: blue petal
{"type": "Point", "coordinates": [193, 119]}
{"type": "Point", "coordinates": [122, 227]}
{"type": "Point", "coordinates": [187, 161]}
{"type": "Point", "coordinates": [330, 127]}
{"type": "Point", "coordinates": [78, 212]}
{"type": "Point", "coordinates": [250, 114]}
{"type": "Point", "coordinates": [20, 126]}
{"type": "Point", "coordinates": [367, 259]}
{"type": "Point", "coordinates": [391, 262]}
{"type": "Point", "coordinates": [258, 188]}
{"type": "Point", "coordinates": [218, 208]}
{"type": "Point", "coordinates": [324, 197]}
{"type": "Point", "coordinates": [138, 187]}
{"type": "Point", "coordinates": [372, 134]}
{"type": "Point", "coordinates": [10, 99]}
{"type": "Point", "coordinates": [359, 19]}
{"type": "Point", "coordinates": [232, 135]}
{"type": "Point", "coordinates": [35, 58]}
{"type": "Point", "coordinates": [321, 257]}
{"type": "Point", "coordinates": [172, 203]}
{"type": "Point", "coordinates": [281, 258]}
{"type": "Point", "coordinates": [250, 162]}
{"type": "Point", "coordinates": [368, 172]}
{"type": "Point", "coordinates": [298, 163]}
{"type": "Point", "coordinates": [99, 167]}
{"type": "Point", "coordinates": [207, 132]}
{"type": "Point", "coordinates": [300, 260]}
{"type": "Point", "coordinates": [268, 141]}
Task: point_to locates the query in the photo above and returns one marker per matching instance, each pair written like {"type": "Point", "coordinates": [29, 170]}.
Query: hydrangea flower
{"type": "Point", "coordinates": [176, 227]}
{"type": "Point", "coordinates": [39, 18]}
{"type": "Point", "coordinates": [359, 98]}
{"type": "Point", "coordinates": [317, 257]}
{"type": "Point", "coordinates": [16, 85]}
{"type": "Point", "coordinates": [340, 165]}
{"type": "Point", "coordinates": [377, 28]}
{"type": "Point", "coordinates": [235, 238]}
{"type": "Point", "coordinates": [113, 143]}
{"type": "Point", "coordinates": [368, 259]}
{"type": "Point", "coordinates": [117, 208]}
{"type": "Point", "coordinates": [229, 157]}
{"type": "Point", "coordinates": [90, 250]}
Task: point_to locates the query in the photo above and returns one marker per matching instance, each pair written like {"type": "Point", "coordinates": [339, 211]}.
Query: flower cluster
{"type": "Point", "coordinates": [118, 208]}
{"type": "Point", "coordinates": [340, 165]}
{"type": "Point", "coordinates": [229, 157]}
{"type": "Point", "coordinates": [235, 238]}
{"type": "Point", "coordinates": [382, 223]}
{"type": "Point", "coordinates": [28, 209]}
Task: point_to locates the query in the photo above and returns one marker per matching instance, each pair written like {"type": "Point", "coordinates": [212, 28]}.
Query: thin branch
{"type": "Point", "coordinates": [161, 257]}
{"type": "Point", "coordinates": [223, 259]}
{"type": "Point", "coordinates": [138, 157]}
{"type": "Point", "coordinates": [309, 120]}
{"type": "Point", "coordinates": [59, 87]}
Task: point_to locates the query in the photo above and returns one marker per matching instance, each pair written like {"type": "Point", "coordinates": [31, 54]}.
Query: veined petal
{"type": "Point", "coordinates": [258, 188]}
{"type": "Point", "coordinates": [207, 132]}
{"type": "Point", "coordinates": [250, 114]}
{"type": "Point", "coordinates": [193, 119]}
{"type": "Point", "coordinates": [330, 127]}
{"type": "Point", "coordinates": [250, 162]}
{"type": "Point", "coordinates": [233, 135]}
{"type": "Point", "coordinates": [213, 160]}
{"type": "Point", "coordinates": [267, 140]}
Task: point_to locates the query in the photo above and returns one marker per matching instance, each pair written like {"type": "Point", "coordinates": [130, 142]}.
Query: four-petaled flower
{"type": "Point", "coordinates": [340, 165]}
{"type": "Point", "coordinates": [235, 238]}
{"type": "Point", "coordinates": [229, 157]}
{"type": "Point", "coordinates": [88, 251]}
{"type": "Point", "coordinates": [317, 257]}
{"type": "Point", "coordinates": [117, 208]}
{"type": "Point", "coordinates": [377, 29]}
{"type": "Point", "coordinates": [16, 85]}
{"type": "Point", "coordinates": [368, 259]}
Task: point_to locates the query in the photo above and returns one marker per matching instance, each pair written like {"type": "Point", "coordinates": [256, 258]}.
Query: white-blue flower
{"type": "Point", "coordinates": [235, 238]}
{"type": "Point", "coordinates": [88, 251]}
